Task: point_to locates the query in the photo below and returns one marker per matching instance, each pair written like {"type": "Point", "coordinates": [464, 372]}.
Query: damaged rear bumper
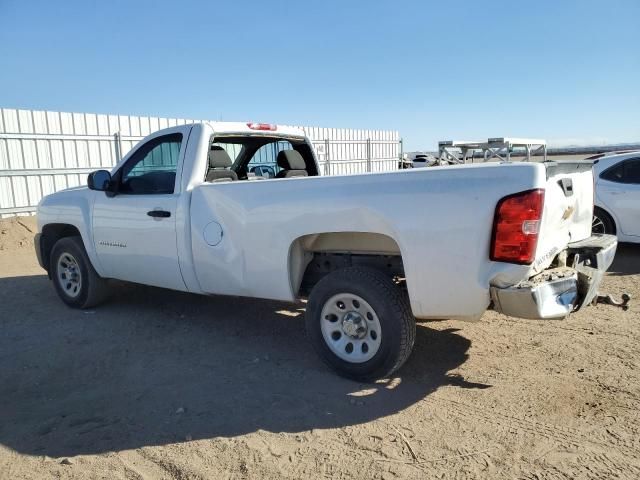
{"type": "Point", "coordinates": [557, 292]}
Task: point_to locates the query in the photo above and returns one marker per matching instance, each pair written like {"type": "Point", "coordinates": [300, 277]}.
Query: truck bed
{"type": "Point", "coordinates": [440, 219]}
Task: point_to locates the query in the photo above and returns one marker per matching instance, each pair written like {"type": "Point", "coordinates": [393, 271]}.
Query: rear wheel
{"type": "Point", "coordinates": [75, 280]}
{"type": "Point", "coordinates": [360, 323]}
{"type": "Point", "coordinates": [602, 222]}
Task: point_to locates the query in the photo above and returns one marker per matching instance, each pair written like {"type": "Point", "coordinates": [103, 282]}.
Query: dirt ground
{"type": "Point", "coordinates": [160, 384]}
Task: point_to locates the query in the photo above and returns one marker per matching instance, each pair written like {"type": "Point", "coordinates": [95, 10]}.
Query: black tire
{"type": "Point", "coordinates": [602, 222]}
{"type": "Point", "coordinates": [92, 289]}
{"type": "Point", "coordinates": [391, 306]}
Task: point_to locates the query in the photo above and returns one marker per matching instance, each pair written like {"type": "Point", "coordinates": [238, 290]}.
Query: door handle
{"type": "Point", "coordinates": [159, 213]}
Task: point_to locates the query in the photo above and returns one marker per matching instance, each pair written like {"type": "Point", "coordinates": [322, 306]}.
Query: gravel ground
{"type": "Point", "coordinates": [161, 384]}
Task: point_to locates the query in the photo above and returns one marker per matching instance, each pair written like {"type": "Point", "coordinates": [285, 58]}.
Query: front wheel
{"type": "Point", "coordinates": [360, 323]}
{"type": "Point", "coordinates": [75, 280]}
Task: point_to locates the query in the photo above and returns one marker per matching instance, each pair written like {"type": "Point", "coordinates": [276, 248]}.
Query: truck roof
{"type": "Point", "coordinates": [256, 128]}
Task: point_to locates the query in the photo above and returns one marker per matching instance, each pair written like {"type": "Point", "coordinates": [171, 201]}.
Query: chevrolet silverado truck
{"type": "Point", "coordinates": [185, 210]}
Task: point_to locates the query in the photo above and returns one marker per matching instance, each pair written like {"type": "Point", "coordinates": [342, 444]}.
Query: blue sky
{"type": "Point", "coordinates": [564, 70]}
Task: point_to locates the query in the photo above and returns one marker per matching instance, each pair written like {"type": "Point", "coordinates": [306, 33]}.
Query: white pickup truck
{"type": "Point", "coordinates": [185, 210]}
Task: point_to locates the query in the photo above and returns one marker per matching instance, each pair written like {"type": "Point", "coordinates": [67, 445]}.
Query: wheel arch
{"type": "Point", "coordinates": [51, 233]}
{"type": "Point", "coordinates": [377, 250]}
{"type": "Point", "coordinates": [606, 211]}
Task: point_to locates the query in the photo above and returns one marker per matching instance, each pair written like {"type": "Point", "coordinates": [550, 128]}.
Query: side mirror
{"type": "Point", "coordinates": [99, 180]}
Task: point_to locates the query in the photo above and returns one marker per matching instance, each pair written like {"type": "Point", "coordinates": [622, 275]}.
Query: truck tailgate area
{"type": "Point", "coordinates": [568, 210]}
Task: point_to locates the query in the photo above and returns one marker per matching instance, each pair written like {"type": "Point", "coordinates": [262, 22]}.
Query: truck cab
{"type": "Point", "coordinates": [149, 193]}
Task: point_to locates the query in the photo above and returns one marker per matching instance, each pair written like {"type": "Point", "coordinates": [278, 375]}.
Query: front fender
{"type": "Point", "coordinates": [71, 207]}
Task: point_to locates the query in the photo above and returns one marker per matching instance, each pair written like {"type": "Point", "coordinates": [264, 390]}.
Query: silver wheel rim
{"type": "Point", "coordinates": [597, 225]}
{"type": "Point", "coordinates": [69, 276]}
{"type": "Point", "coordinates": [350, 328]}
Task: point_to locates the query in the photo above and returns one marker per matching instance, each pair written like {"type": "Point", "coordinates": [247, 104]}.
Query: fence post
{"type": "Point", "coordinates": [117, 146]}
{"type": "Point", "coordinates": [368, 155]}
{"type": "Point", "coordinates": [327, 159]}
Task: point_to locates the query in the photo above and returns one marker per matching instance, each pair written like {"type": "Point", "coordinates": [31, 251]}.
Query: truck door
{"type": "Point", "coordinates": [135, 230]}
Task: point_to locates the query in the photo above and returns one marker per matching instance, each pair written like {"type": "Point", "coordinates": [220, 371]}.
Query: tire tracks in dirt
{"type": "Point", "coordinates": [564, 437]}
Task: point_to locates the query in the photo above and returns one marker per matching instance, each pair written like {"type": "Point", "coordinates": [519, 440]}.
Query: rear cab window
{"type": "Point", "coordinates": [256, 157]}
{"type": "Point", "coordinates": [264, 161]}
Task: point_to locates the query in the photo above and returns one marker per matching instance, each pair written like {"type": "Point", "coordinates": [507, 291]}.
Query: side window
{"type": "Point", "coordinates": [632, 171]}
{"type": "Point", "coordinates": [266, 159]}
{"type": "Point", "coordinates": [152, 168]}
{"type": "Point", "coordinates": [627, 171]}
{"type": "Point", "coordinates": [613, 174]}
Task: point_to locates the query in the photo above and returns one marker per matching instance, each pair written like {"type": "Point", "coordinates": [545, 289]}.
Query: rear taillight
{"type": "Point", "coordinates": [516, 225]}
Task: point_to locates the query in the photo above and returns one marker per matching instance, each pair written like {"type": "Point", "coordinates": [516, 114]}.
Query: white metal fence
{"type": "Point", "coordinates": [42, 152]}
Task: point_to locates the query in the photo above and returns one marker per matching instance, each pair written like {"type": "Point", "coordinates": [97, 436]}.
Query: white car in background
{"type": "Point", "coordinates": [424, 160]}
{"type": "Point", "coordinates": [617, 195]}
